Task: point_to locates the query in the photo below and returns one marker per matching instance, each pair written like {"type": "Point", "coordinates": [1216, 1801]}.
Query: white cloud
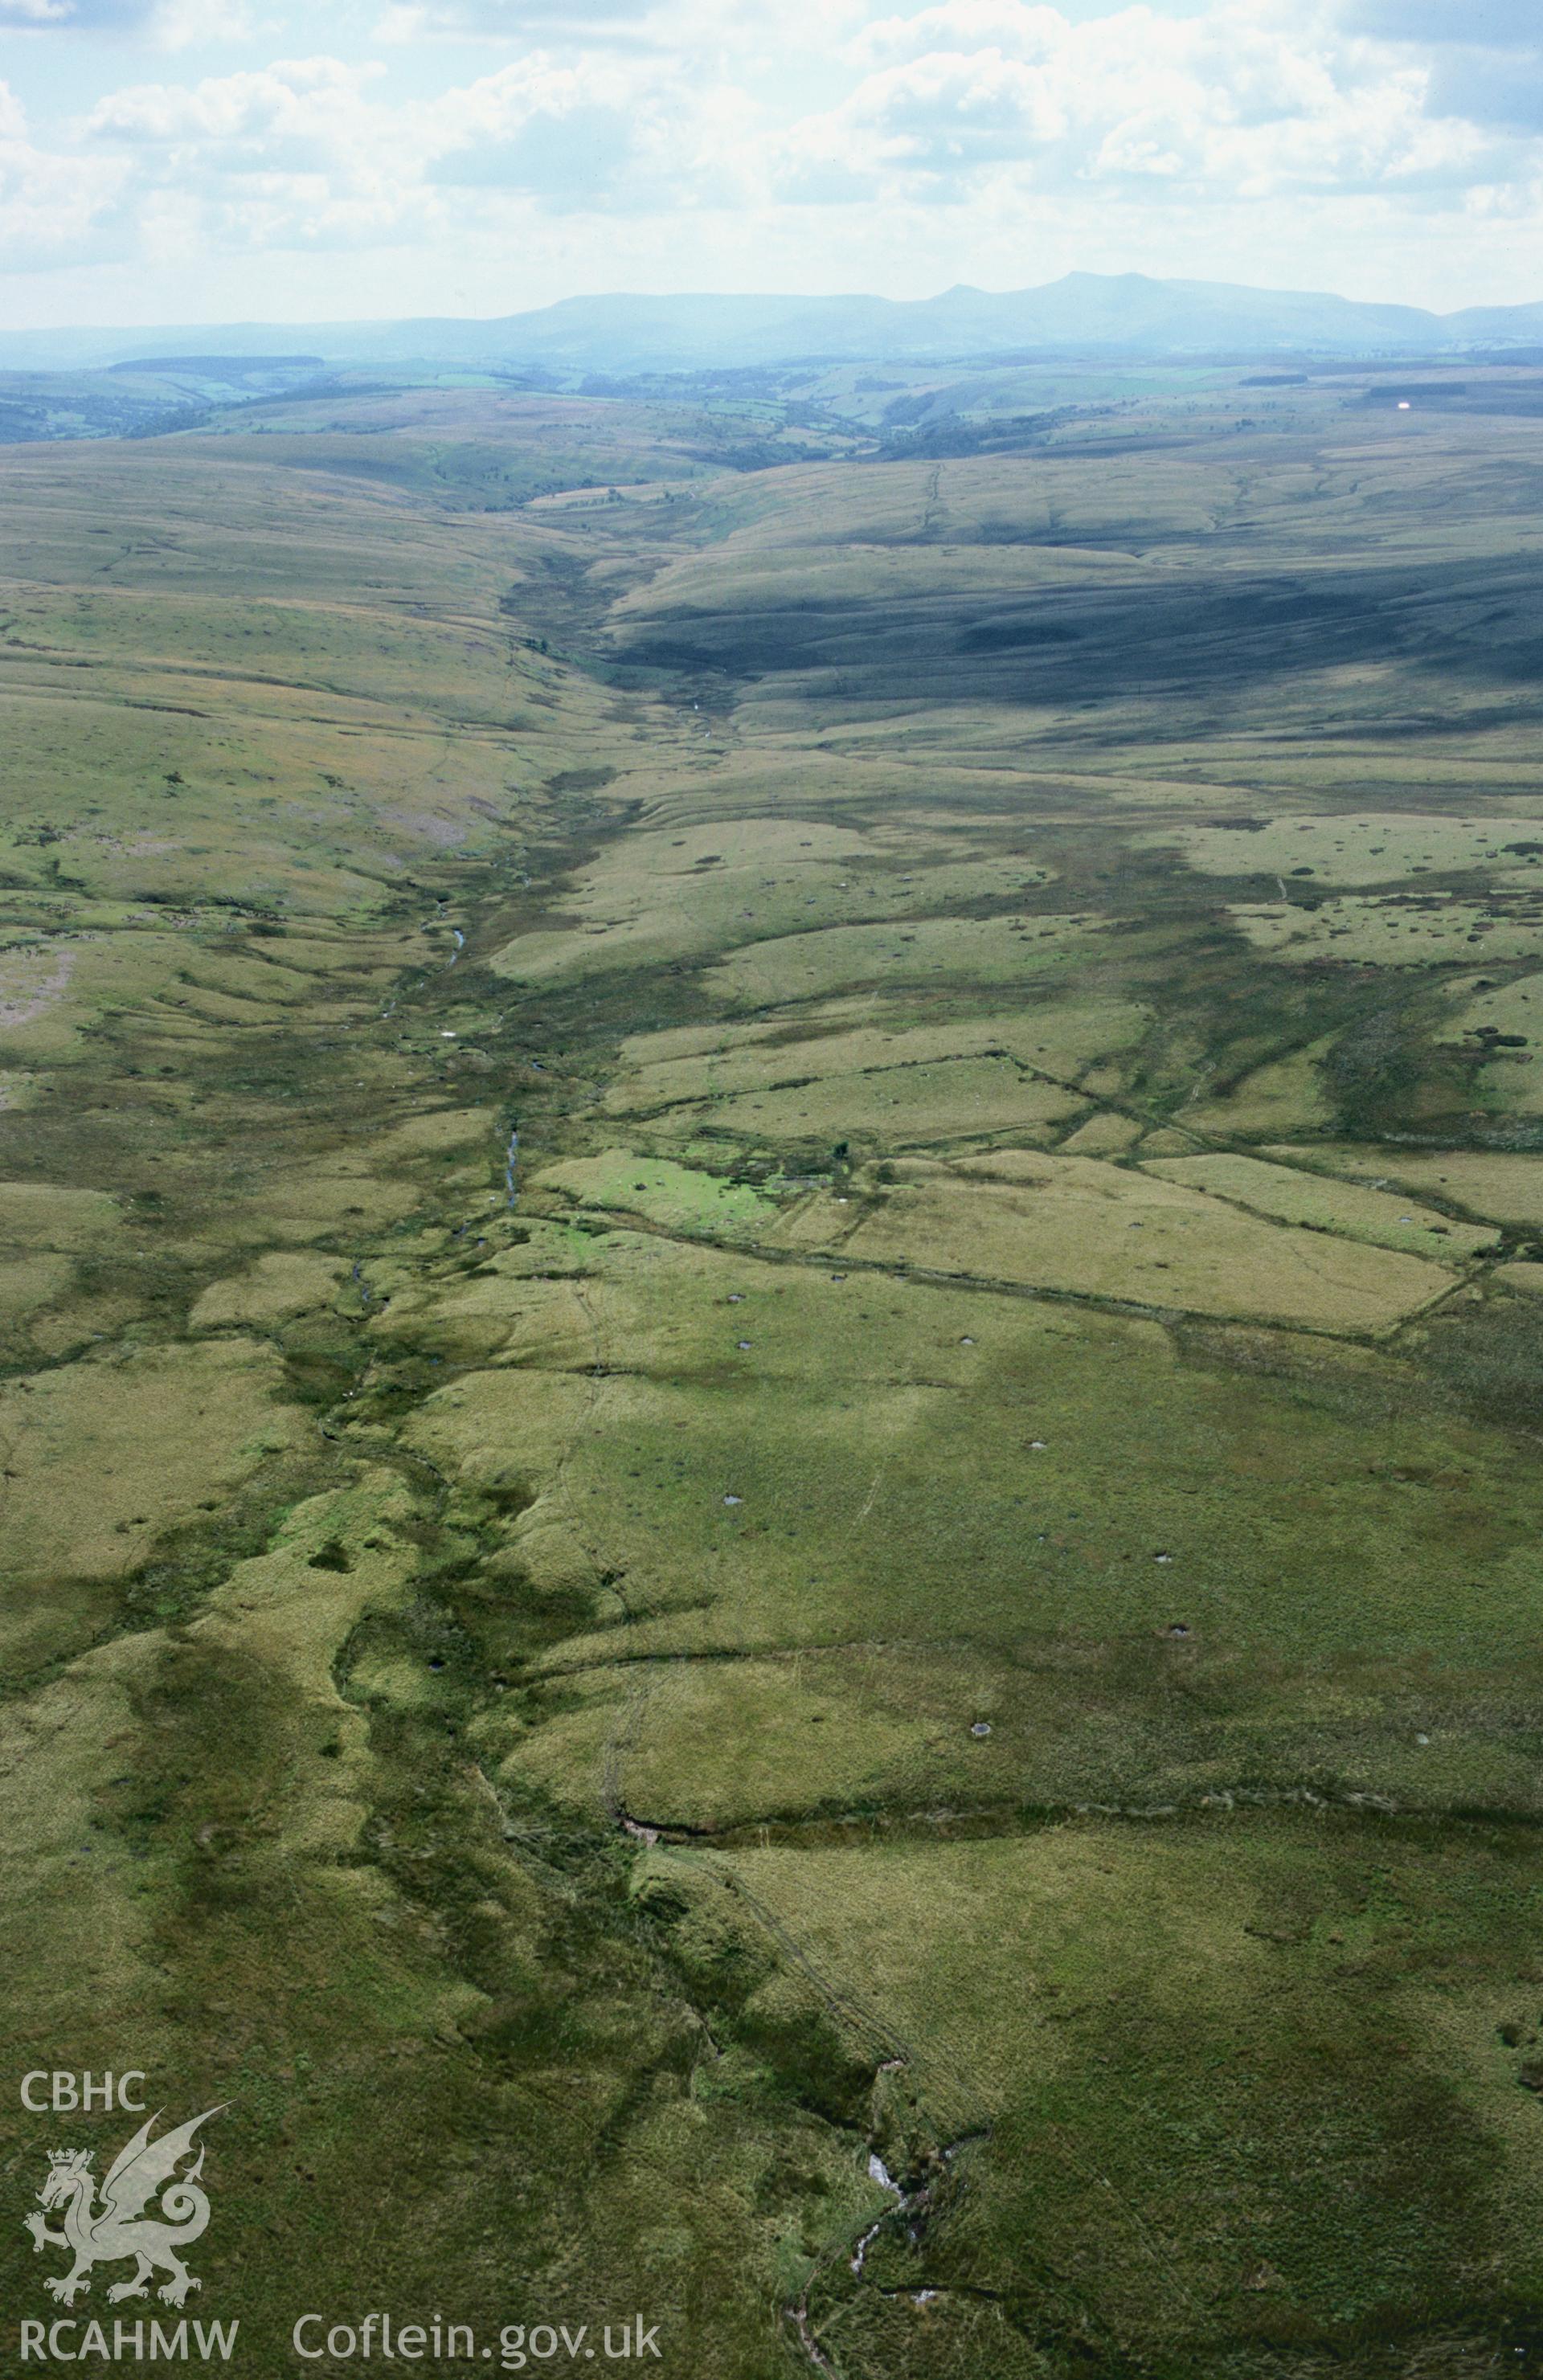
{"type": "Point", "coordinates": [187, 24]}
{"type": "Point", "coordinates": [507, 20]}
{"type": "Point", "coordinates": [1242, 103]}
{"type": "Point", "coordinates": [309, 149]}
{"type": "Point", "coordinates": [1009, 26]}
{"type": "Point", "coordinates": [53, 209]}
{"type": "Point", "coordinates": [308, 96]}
{"type": "Point", "coordinates": [712, 128]}
{"type": "Point", "coordinates": [294, 154]}
{"type": "Point", "coordinates": [1483, 62]}
{"type": "Point", "coordinates": [568, 133]}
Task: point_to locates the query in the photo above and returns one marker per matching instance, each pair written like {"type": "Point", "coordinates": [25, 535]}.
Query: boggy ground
{"type": "Point", "coordinates": [953, 1581]}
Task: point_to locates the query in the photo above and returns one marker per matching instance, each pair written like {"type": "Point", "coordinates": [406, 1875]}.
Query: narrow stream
{"type": "Point", "coordinates": [878, 2172]}
{"type": "Point", "coordinates": [912, 2205]}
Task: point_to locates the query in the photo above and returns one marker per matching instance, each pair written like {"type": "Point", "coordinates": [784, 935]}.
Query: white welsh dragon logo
{"type": "Point", "coordinates": [118, 2227]}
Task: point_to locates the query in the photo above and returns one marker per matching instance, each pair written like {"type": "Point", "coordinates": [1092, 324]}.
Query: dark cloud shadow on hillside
{"type": "Point", "coordinates": [1479, 623]}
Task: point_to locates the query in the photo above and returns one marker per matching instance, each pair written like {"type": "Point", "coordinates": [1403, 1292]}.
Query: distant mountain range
{"type": "Point", "coordinates": [1084, 313]}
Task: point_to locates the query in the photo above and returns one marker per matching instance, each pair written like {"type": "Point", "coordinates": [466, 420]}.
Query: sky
{"type": "Point", "coordinates": [207, 161]}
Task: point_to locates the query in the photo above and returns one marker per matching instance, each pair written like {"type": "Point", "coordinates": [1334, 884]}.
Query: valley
{"type": "Point", "coordinates": [770, 1238]}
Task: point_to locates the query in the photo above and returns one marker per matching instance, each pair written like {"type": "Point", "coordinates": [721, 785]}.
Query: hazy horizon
{"type": "Point", "coordinates": [346, 319]}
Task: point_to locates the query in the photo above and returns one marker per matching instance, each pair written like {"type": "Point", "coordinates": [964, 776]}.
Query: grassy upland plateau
{"type": "Point", "coordinates": [770, 1231]}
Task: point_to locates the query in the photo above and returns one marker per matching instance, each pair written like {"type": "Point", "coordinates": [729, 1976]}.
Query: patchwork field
{"type": "Point", "coordinates": [770, 1229]}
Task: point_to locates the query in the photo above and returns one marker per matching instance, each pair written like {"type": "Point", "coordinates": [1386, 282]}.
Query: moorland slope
{"type": "Point", "coordinates": [774, 1391]}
